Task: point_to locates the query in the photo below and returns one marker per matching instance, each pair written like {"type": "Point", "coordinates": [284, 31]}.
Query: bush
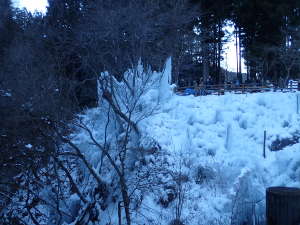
{"type": "Point", "coordinates": [204, 174]}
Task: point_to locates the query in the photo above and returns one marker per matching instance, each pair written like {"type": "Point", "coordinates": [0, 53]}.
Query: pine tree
{"type": "Point", "coordinates": [7, 27]}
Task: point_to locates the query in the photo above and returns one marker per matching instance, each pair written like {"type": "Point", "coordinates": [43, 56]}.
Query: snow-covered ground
{"type": "Point", "coordinates": [218, 142]}
{"type": "Point", "coordinates": [209, 167]}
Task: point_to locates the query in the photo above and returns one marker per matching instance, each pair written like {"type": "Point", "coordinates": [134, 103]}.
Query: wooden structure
{"type": "Point", "coordinates": [240, 89]}
{"type": "Point", "coordinates": [283, 206]}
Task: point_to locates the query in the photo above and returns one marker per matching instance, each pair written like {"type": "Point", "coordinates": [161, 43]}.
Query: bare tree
{"type": "Point", "coordinates": [125, 101]}
{"type": "Point", "coordinates": [289, 57]}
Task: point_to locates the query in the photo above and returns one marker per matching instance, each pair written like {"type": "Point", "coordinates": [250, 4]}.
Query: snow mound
{"type": "Point", "coordinates": [198, 159]}
{"type": "Point", "coordinates": [217, 142]}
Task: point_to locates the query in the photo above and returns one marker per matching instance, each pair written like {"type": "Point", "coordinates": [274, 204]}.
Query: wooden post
{"type": "Point", "coordinates": [227, 136]}
{"type": "Point", "coordinates": [283, 206]}
{"type": "Point", "coordinates": [297, 103]}
{"type": "Point", "coordinates": [264, 150]}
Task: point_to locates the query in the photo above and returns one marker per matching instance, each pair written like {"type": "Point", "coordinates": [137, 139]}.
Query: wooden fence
{"type": "Point", "coordinates": [240, 89]}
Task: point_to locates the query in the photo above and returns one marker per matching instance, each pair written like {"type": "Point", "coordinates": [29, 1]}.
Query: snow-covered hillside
{"type": "Point", "coordinates": [200, 159]}
{"type": "Point", "coordinates": [218, 140]}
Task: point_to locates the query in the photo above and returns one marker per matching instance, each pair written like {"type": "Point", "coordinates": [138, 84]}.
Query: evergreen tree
{"type": "Point", "coordinates": [7, 27]}
{"type": "Point", "coordinates": [263, 33]}
{"type": "Point", "coordinates": [62, 19]}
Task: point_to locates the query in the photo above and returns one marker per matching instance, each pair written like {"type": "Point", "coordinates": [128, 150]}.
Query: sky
{"type": "Point", "coordinates": [229, 54]}
{"type": "Point", "coordinates": [228, 63]}
{"type": "Point", "coordinates": [32, 5]}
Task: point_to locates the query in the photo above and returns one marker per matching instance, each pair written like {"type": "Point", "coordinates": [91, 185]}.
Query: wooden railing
{"type": "Point", "coordinates": [240, 89]}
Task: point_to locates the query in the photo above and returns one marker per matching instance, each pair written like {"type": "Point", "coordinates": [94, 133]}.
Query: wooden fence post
{"type": "Point", "coordinates": [228, 131]}
{"type": "Point", "coordinates": [283, 206]}
{"type": "Point", "coordinates": [297, 103]}
{"type": "Point", "coordinates": [264, 149]}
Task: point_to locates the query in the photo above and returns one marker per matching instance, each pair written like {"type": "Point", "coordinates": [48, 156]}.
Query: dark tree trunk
{"type": "Point", "coordinates": [126, 199]}
{"type": "Point", "coordinates": [219, 51]}
{"type": "Point", "coordinates": [252, 70]}
{"type": "Point", "coordinates": [205, 62]}
{"type": "Point", "coordinates": [240, 56]}
{"type": "Point", "coordinates": [236, 52]}
{"type": "Point", "coordinates": [283, 206]}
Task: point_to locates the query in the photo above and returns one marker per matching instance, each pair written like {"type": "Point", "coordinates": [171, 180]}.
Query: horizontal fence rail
{"type": "Point", "coordinates": [221, 89]}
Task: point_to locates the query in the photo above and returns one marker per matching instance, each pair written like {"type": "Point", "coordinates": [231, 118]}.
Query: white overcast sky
{"type": "Point", "coordinates": [32, 5]}
{"type": "Point", "coordinates": [40, 5]}
{"type": "Point", "coordinates": [229, 62]}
